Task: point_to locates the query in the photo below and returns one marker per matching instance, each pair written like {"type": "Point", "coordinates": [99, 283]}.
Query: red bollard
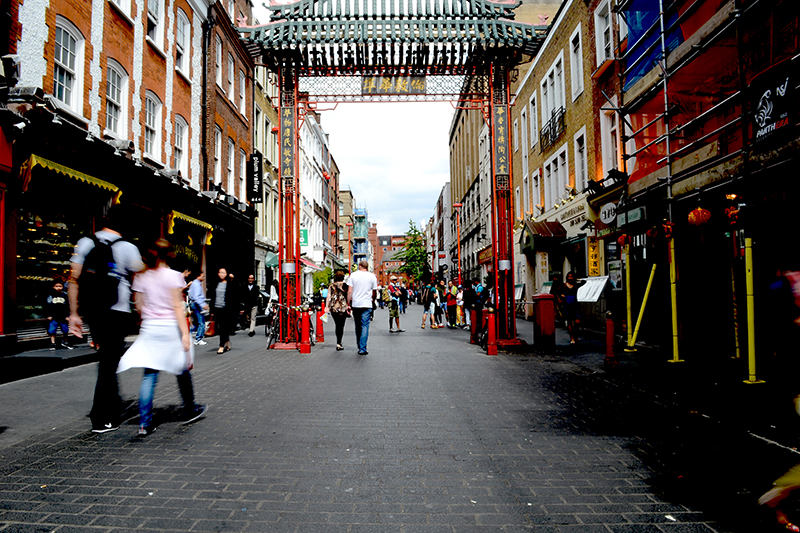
{"type": "Point", "coordinates": [491, 347]}
{"type": "Point", "coordinates": [610, 360]}
{"type": "Point", "coordinates": [305, 333]}
{"type": "Point", "coordinates": [474, 326]}
{"type": "Point", "coordinates": [319, 330]}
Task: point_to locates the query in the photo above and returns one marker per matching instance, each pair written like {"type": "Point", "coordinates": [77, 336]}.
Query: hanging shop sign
{"type": "Point", "coordinates": [771, 98]}
{"type": "Point", "coordinates": [303, 237]}
{"type": "Point", "coordinates": [593, 253]}
{"type": "Point", "coordinates": [634, 215]}
{"type": "Point", "coordinates": [608, 213]}
{"type": "Point", "coordinates": [393, 85]}
{"type": "Point", "coordinates": [485, 255]}
{"type": "Point", "coordinates": [255, 178]}
{"type": "Point", "coordinates": [502, 167]}
{"type": "Point", "coordinates": [288, 131]}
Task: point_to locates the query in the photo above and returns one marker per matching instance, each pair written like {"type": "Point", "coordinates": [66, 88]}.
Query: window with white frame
{"type": "Point", "coordinates": [534, 112]}
{"type": "Point", "coordinates": [123, 5]}
{"type": "Point", "coordinates": [556, 178]}
{"type": "Point", "coordinates": [231, 155]}
{"type": "Point", "coordinates": [623, 27]}
{"type": "Point", "coordinates": [217, 155]}
{"type": "Point", "coordinates": [609, 140]}
{"type": "Point", "coordinates": [242, 92]}
{"type": "Point", "coordinates": [181, 132]}
{"type": "Point", "coordinates": [553, 94]}
{"type": "Point", "coordinates": [242, 173]}
{"type": "Point", "coordinates": [231, 8]}
{"type": "Point", "coordinates": [517, 204]}
{"type": "Point", "coordinates": [523, 117]}
{"type": "Point", "coordinates": [526, 189]}
{"type": "Point", "coordinates": [535, 193]}
{"type": "Point", "coordinates": [116, 99]}
{"type": "Point", "coordinates": [152, 126]}
{"type": "Point", "coordinates": [218, 60]}
{"type": "Point", "coordinates": [155, 22]}
{"type": "Point", "coordinates": [68, 67]}
{"type": "Point", "coordinates": [182, 31]}
{"type": "Point", "coordinates": [231, 70]}
{"type": "Point", "coordinates": [515, 136]}
{"type": "Point", "coordinates": [257, 127]}
{"type": "Point", "coordinates": [602, 28]}
{"type": "Point", "coordinates": [581, 167]}
{"type": "Point", "coordinates": [576, 62]}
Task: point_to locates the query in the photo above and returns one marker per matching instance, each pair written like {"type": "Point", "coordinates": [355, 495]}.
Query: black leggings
{"type": "Point", "coordinates": [339, 319]}
{"type": "Point", "coordinates": [223, 323]}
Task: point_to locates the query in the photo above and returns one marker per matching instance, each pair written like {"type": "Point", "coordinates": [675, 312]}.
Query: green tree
{"type": "Point", "coordinates": [320, 277]}
{"type": "Point", "coordinates": [414, 255]}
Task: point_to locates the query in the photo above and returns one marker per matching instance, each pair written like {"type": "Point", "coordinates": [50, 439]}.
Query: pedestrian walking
{"type": "Point", "coordinates": [199, 308]}
{"type": "Point", "coordinates": [451, 304]}
{"type": "Point", "coordinates": [250, 294]}
{"type": "Point", "coordinates": [394, 305]}
{"type": "Point", "coordinates": [428, 300]}
{"type": "Point", "coordinates": [469, 302]}
{"type": "Point", "coordinates": [336, 304]}
{"type": "Point", "coordinates": [99, 291]}
{"type": "Point", "coordinates": [567, 296]}
{"type": "Point", "coordinates": [403, 297]}
{"type": "Point", "coordinates": [441, 303]}
{"type": "Point", "coordinates": [164, 341]}
{"type": "Point", "coordinates": [224, 309]}
{"type": "Point", "coordinates": [362, 292]}
{"type": "Point", "coordinates": [460, 308]}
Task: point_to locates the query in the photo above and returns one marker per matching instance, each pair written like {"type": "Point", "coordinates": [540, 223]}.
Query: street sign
{"type": "Point", "coordinates": [303, 237]}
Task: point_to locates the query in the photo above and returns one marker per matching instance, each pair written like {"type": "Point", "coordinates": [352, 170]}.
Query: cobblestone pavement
{"type": "Point", "coordinates": [426, 434]}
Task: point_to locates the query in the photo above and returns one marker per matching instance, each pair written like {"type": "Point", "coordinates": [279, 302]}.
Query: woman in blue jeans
{"type": "Point", "coordinates": [164, 343]}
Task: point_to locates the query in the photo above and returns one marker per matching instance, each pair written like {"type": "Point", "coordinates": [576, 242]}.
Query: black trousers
{"type": "Point", "coordinates": [223, 322]}
{"type": "Point", "coordinates": [339, 319]}
{"type": "Point", "coordinates": [108, 332]}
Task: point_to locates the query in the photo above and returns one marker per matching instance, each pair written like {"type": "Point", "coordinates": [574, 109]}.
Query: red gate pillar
{"type": "Point", "coordinates": [502, 208]}
{"type": "Point", "coordinates": [289, 169]}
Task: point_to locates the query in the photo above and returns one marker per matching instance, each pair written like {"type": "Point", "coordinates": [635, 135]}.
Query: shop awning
{"type": "Point", "coordinates": [271, 260]}
{"type": "Point", "coordinates": [191, 220]}
{"type": "Point", "coordinates": [310, 264]}
{"type": "Point", "coordinates": [534, 232]}
{"type": "Point", "coordinates": [35, 160]}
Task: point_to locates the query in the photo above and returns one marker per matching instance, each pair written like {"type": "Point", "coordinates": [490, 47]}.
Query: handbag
{"type": "Point", "coordinates": [324, 317]}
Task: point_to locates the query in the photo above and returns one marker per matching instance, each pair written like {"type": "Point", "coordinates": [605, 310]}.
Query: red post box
{"type": "Point", "coordinates": [544, 320]}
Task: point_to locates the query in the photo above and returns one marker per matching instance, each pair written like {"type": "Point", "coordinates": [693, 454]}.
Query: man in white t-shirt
{"type": "Point", "coordinates": [361, 294]}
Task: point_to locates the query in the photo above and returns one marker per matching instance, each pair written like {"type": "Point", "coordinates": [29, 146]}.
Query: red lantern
{"type": "Point", "coordinates": [699, 216]}
{"type": "Point", "coordinates": [623, 240]}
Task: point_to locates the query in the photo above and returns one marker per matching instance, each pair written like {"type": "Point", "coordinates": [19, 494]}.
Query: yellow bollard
{"type": "Point", "coordinates": [630, 347]}
{"type": "Point", "coordinates": [751, 316]}
{"type": "Point", "coordinates": [628, 291]}
{"type": "Point", "coordinates": [673, 291]}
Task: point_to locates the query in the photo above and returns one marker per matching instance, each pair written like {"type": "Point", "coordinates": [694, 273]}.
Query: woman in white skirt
{"type": "Point", "coordinates": [164, 342]}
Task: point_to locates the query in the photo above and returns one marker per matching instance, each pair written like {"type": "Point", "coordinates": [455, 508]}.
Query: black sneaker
{"type": "Point", "coordinates": [105, 428]}
{"type": "Point", "coordinates": [52, 347]}
{"type": "Point", "coordinates": [146, 430]}
{"type": "Point", "coordinates": [197, 413]}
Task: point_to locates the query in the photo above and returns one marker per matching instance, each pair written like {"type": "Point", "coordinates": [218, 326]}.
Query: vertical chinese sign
{"type": "Point", "coordinates": [502, 167]}
{"type": "Point", "coordinates": [288, 133]}
{"type": "Point", "coordinates": [593, 251]}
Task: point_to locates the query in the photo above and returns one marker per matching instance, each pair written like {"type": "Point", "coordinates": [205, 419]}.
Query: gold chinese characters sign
{"type": "Point", "coordinates": [502, 166]}
{"type": "Point", "coordinates": [288, 131]}
{"type": "Point", "coordinates": [393, 85]}
{"type": "Point", "coordinates": [593, 251]}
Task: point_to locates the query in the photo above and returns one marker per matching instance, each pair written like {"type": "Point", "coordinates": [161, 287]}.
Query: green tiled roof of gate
{"type": "Point", "coordinates": [479, 22]}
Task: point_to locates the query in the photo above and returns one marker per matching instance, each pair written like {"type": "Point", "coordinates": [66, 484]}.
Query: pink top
{"type": "Point", "coordinates": [157, 287]}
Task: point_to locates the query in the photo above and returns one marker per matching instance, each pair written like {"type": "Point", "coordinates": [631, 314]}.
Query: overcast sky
{"type": "Point", "coordinates": [393, 156]}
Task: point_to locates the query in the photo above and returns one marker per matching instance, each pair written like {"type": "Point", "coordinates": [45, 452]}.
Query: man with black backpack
{"type": "Point", "coordinates": [100, 293]}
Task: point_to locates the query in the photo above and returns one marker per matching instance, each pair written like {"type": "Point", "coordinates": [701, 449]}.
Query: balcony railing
{"type": "Point", "coordinates": [553, 129]}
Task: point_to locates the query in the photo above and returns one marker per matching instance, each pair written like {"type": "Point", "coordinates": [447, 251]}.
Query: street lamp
{"type": "Point", "coordinates": [457, 207]}
{"type": "Point", "coordinates": [349, 247]}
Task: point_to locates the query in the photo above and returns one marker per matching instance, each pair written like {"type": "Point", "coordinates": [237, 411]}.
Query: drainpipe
{"type": "Point", "coordinates": [208, 26]}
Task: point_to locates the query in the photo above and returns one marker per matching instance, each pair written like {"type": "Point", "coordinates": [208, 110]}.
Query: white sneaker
{"type": "Point", "coordinates": [200, 343]}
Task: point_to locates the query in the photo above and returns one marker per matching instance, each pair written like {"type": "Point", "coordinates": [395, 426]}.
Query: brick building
{"type": "Point", "coordinates": [112, 104]}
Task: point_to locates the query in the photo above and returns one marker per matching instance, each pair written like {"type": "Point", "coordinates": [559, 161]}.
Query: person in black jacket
{"type": "Point", "coordinates": [224, 309]}
{"type": "Point", "coordinates": [57, 309]}
{"type": "Point", "coordinates": [250, 296]}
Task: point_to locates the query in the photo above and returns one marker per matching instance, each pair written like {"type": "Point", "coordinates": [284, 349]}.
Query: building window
{"type": "Point", "coordinates": [231, 152]}
{"type": "Point", "coordinates": [534, 120]}
{"type": "Point", "coordinates": [602, 28]}
{"type": "Point", "coordinates": [576, 62]}
{"type": "Point", "coordinates": [242, 92]}
{"type": "Point", "coordinates": [116, 96]}
{"type": "Point", "coordinates": [556, 178]}
{"type": "Point", "coordinates": [523, 117]}
{"type": "Point", "coordinates": [517, 204]}
{"type": "Point", "coordinates": [581, 169]}
{"type": "Point", "coordinates": [257, 127]}
{"type": "Point", "coordinates": [218, 60]}
{"type": "Point", "coordinates": [231, 8]}
{"type": "Point", "coordinates": [155, 21]}
{"type": "Point", "coordinates": [182, 30]}
{"type": "Point", "coordinates": [68, 68]}
{"type": "Point", "coordinates": [526, 187]}
{"type": "Point", "coordinates": [152, 123]}
{"type": "Point", "coordinates": [123, 5]}
{"type": "Point", "coordinates": [609, 139]}
{"type": "Point", "coordinates": [231, 70]}
{"type": "Point", "coordinates": [535, 192]}
{"type": "Point", "coordinates": [217, 155]}
{"type": "Point", "coordinates": [181, 130]}
{"type": "Point", "coordinates": [515, 136]}
{"type": "Point", "coordinates": [242, 173]}
{"type": "Point", "coordinates": [553, 89]}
